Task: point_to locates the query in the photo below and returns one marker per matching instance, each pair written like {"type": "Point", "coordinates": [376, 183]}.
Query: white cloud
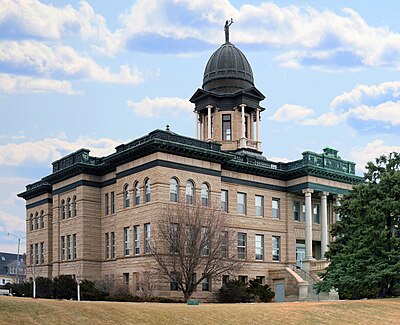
{"type": "Point", "coordinates": [39, 58]}
{"type": "Point", "coordinates": [50, 22]}
{"type": "Point", "coordinates": [375, 103]}
{"type": "Point", "coordinates": [50, 149]}
{"type": "Point", "coordinates": [12, 223]}
{"type": "Point", "coordinates": [23, 84]}
{"type": "Point", "coordinates": [288, 112]}
{"type": "Point", "coordinates": [370, 152]}
{"type": "Point", "coordinates": [154, 107]}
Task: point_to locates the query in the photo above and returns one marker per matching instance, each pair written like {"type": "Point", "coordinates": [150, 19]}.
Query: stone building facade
{"type": "Point", "coordinates": [95, 217]}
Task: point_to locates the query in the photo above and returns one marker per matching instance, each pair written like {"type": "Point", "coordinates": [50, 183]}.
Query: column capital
{"type": "Point", "coordinates": [242, 105]}
{"type": "Point", "coordinates": [324, 194]}
{"type": "Point", "coordinates": [209, 106]}
{"type": "Point", "coordinates": [308, 191]}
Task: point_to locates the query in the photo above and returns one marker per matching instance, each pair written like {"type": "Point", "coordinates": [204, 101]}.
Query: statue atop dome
{"type": "Point", "coordinates": [228, 23]}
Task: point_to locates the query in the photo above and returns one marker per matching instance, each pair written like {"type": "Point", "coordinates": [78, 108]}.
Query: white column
{"type": "Point", "coordinates": [197, 125]}
{"type": "Point", "coordinates": [324, 223]}
{"type": "Point", "coordinates": [307, 193]}
{"type": "Point", "coordinates": [242, 106]}
{"type": "Point", "coordinates": [202, 127]}
{"type": "Point", "coordinates": [337, 204]}
{"type": "Point", "coordinates": [258, 128]}
{"type": "Point", "coordinates": [209, 122]}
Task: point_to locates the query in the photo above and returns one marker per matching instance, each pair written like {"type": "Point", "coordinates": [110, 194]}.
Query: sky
{"type": "Point", "coordinates": [95, 74]}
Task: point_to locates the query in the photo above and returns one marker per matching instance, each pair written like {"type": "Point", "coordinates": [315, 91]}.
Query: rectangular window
{"type": "Point", "coordinates": [74, 245]}
{"type": "Point", "coordinates": [173, 285]}
{"type": "Point", "coordinates": [126, 241]}
{"type": "Point", "coordinates": [205, 284]}
{"type": "Point", "coordinates": [224, 200]}
{"type": "Point", "coordinates": [205, 241]}
{"type": "Point", "coordinates": [62, 248]}
{"type": "Point", "coordinates": [226, 127]}
{"type": "Point", "coordinates": [241, 203]}
{"type": "Point", "coordinates": [241, 245]}
{"type": "Point", "coordinates": [42, 253]}
{"type": "Point", "coordinates": [69, 247]}
{"type": "Point", "coordinates": [126, 279]}
{"type": "Point", "coordinates": [31, 254]}
{"type": "Point", "coordinates": [259, 247]}
{"type": "Point", "coordinates": [147, 238]}
{"type": "Point", "coordinates": [113, 245]}
{"type": "Point", "coordinates": [259, 206]}
{"type": "Point", "coordinates": [260, 280]}
{"type": "Point", "coordinates": [36, 253]}
{"type": "Point", "coordinates": [107, 206]}
{"type": "Point", "coordinates": [276, 244]}
{"type": "Point", "coordinates": [243, 278]}
{"type": "Point", "coordinates": [136, 234]}
{"type": "Point", "coordinates": [174, 238]}
{"type": "Point", "coordinates": [296, 210]}
{"type": "Point", "coordinates": [112, 202]}
{"type": "Point", "coordinates": [275, 208]}
{"type": "Point", "coordinates": [107, 239]}
{"type": "Point", "coordinates": [316, 213]}
{"type": "Point", "coordinates": [225, 279]}
{"type": "Point", "coordinates": [224, 245]}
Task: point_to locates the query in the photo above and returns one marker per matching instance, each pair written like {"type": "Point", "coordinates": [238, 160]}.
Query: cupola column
{"type": "Point", "coordinates": [258, 128]}
{"type": "Point", "coordinates": [197, 125]}
{"type": "Point", "coordinates": [209, 122]}
{"type": "Point", "coordinates": [242, 106]}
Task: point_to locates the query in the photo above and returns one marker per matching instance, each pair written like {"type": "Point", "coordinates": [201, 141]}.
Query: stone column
{"type": "Point", "coordinates": [307, 193]}
{"type": "Point", "coordinates": [337, 204]}
{"type": "Point", "coordinates": [209, 122]}
{"type": "Point", "coordinates": [324, 223]}
{"type": "Point", "coordinates": [202, 126]}
{"type": "Point", "coordinates": [197, 125]}
{"type": "Point", "coordinates": [242, 106]}
{"type": "Point", "coordinates": [258, 128]}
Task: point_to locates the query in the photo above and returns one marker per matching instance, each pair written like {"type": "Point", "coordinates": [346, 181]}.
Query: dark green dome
{"type": "Point", "coordinates": [227, 71]}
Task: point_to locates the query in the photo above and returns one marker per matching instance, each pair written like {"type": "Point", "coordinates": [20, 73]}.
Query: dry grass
{"type": "Point", "coordinates": [40, 311]}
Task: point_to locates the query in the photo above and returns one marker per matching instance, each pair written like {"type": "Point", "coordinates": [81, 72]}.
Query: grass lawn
{"type": "Point", "coordinates": [42, 311]}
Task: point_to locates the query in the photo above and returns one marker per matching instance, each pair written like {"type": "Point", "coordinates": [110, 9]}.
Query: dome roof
{"type": "Point", "coordinates": [227, 71]}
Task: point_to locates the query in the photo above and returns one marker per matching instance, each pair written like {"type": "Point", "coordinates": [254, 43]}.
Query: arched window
{"type": "Point", "coordinates": [173, 190]}
{"type": "Point", "coordinates": [63, 209]}
{"type": "Point", "coordinates": [127, 196]}
{"type": "Point", "coordinates": [69, 207]}
{"type": "Point", "coordinates": [137, 193]}
{"type": "Point", "coordinates": [36, 220]}
{"type": "Point", "coordinates": [42, 219]}
{"type": "Point", "coordinates": [147, 189]}
{"type": "Point", "coordinates": [204, 195]}
{"type": "Point", "coordinates": [74, 206]}
{"type": "Point", "coordinates": [31, 222]}
{"type": "Point", "coordinates": [189, 192]}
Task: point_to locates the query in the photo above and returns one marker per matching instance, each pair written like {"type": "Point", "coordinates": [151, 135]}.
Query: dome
{"type": "Point", "coordinates": [227, 71]}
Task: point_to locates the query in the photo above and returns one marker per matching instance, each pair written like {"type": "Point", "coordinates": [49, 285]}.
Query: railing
{"type": "Point", "coordinates": [318, 265]}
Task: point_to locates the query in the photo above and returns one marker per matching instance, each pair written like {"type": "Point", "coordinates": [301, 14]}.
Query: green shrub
{"type": "Point", "coordinates": [234, 291]}
{"type": "Point", "coordinates": [89, 291]}
{"type": "Point", "coordinates": [64, 287]}
{"type": "Point", "coordinates": [24, 289]}
{"type": "Point", "coordinates": [43, 287]}
{"type": "Point", "coordinates": [261, 293]}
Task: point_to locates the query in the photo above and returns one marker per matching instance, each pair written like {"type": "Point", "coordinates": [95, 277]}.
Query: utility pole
{"type": "Point", "coordinates": [19, 241]}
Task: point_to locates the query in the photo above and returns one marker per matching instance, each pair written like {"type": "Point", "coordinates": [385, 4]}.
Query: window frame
{"type": "Point", "coordinates": [242, 245]}
{"type": "Point", "coordinates": [136, 236]}
{"type": "Point", "coordinates": [296, 211]}
{"type": "Point", "coordinates": [173, 190]}
{"type": "Point", "coordinates": [225, 203]}
{"type": "Point", "coordinates": [127, 196]}
{"type": "Point", "coordinates": [242, 207]}
{"type": "Point", "coordinates": [137, 192]}
{"type": "Point", "coordinates": [276, 211]}
{"type": "Point", "coordinates": [112, 202]}
{"type": "Point", "coordinates": [276, 248]}
{"type": "Point", "coordinates": [107, 204]}
{"type": "Point", "coordinates": [316, 214]}
{"type": "Point", "coordinates": [147, 234]}
{"type": "Point", "coordinates": [189, 197]}
{"type": "Point", "coordinates": [226, 131]}
{"type": "Point", "coordinates": [259, 247]}
{"type": "Point", "coordinates": [259, 208]}
{"type": "Point", "coordinates": [147, 188]}
{"type": "Point", "coordinates": [126, 241]}
{"type": "Point", "coordinates": [107, 245]}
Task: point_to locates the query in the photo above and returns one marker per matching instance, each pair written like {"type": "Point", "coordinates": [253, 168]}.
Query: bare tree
{"type": "Point", "coordinates": [192, 244]}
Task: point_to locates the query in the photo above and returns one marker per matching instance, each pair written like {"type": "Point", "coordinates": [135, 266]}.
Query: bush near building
{"type": "Point", "coordinates": [236, 291]}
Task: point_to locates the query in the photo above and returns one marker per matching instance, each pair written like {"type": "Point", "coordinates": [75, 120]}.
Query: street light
{"type": "Point", "coordinates": [19, 241]}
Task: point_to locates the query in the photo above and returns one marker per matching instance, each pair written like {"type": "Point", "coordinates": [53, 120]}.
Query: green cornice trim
{"type": "Point", "coordinates": [38, 203]}
{"type": "Point", "coordinates": [317, 187]}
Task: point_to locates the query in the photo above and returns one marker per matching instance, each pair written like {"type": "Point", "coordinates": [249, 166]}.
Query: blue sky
{"type": "Point", "coordinates": [95, 74]}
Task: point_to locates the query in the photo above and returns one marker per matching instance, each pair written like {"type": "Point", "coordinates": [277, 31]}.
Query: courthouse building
{"type": "Point", "coordinates": [96, 215]}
